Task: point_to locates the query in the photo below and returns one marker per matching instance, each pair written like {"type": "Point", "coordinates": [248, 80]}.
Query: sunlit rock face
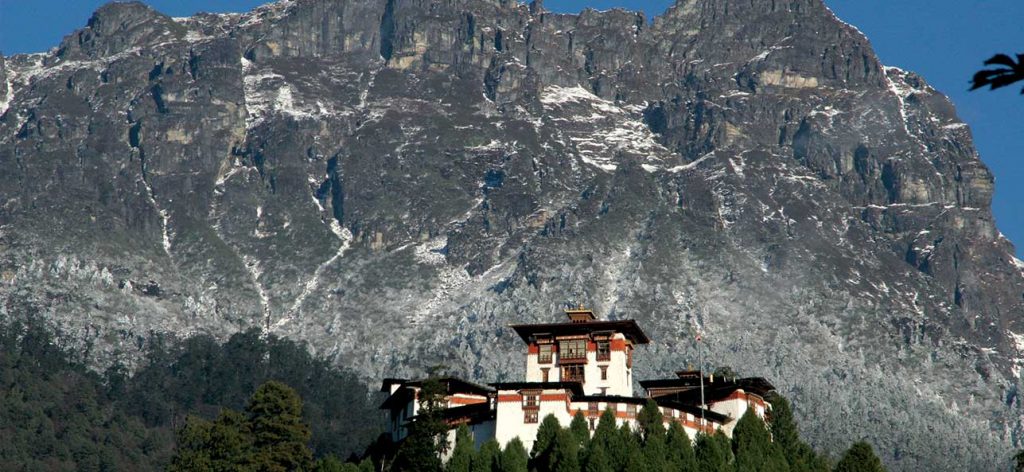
{"type": "Point", "coordinates": [396, 181]}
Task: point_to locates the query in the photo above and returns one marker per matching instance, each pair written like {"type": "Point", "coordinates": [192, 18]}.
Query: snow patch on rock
{"type": "Point", "coordinates": [431, 252]}
{"type": "Point", "coordinates": [5, 102]}
{"type": "Point", "coordinates": [313, 283]}
{"type": "Point", "coordinates": [268, 94]}
{"type": "Point", "coordinates": [252, 265]}
{"type": "Point", "coordinates": [601, 131]}
{"type": "Point", "coordinates": [270, 12]}
{"type": "Point", "coordinates": [898, 87]}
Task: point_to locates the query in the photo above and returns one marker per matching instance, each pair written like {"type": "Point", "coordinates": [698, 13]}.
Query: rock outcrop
{"type": "Point", "coordinates": [395, 181]}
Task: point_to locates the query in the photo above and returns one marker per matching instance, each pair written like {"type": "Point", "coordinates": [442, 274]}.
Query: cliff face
{"type": "Point", "coordinates": [396, 181]}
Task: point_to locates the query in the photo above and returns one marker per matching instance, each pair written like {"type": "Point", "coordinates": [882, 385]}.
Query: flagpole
{"type": "Point", "coordinates": [700, 369]}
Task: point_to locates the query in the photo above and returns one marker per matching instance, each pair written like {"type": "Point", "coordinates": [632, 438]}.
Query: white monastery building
{"type": "Point", "coordinates": [581, 365]}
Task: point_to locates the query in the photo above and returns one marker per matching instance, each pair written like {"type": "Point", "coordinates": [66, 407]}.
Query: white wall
{"type": "Point", "coordinates": [510, 417]}
{"type": "Point", "coordinates": [619, 381]}
{"type": "Point", "coordinates": [735, 408]}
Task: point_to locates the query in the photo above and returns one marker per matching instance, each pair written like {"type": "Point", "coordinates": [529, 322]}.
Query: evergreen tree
{"type": "Point", "coordinates": [753, 447]}
{"type": "Point", "coordinates": [580, 429]}
{"type": "Point", "coordinates": [785, 433]}
{"type": "Point", "coordinates": [597, 460]}
{"type": "Point", "coordinates": [650, 420]}
{"type": "Point", "coordinates": [367, 465]}
{"type": "Point", "coordinates": [859, 458]}
{"type": "Point", "coordinates": [232, 441]}
{"type": "Point", "coordinates": [488, 457]}
{"type": "Point", "coordinates": [628, 443]}
{"type": "Point", "coordinates": [424, 446]}
{"type": "Point", "coordinates": [193, 446]}
{"type": "Point", "coordinates": [547, 432]}
{"type": "Point", "coordinates": [713, 453]}
{"type": "Point", "coordinates": [680, 450]}
{"type": "Point", "coordinates": [280, 436]}
{"type": "Point", "coordinates": [655, 452]}
{"type": "Point", "coordinates": [564, 453]}
{"type": "Point", "coordinates": [514, 458]}
{"type": "Point", "coordinates": [224, 444]}
{"type": "Point", "coordinates": [462, 454]}
{"type": "Point", "coordinates": [635, 461]}
{"type": "Point", "coordinates": [652, 430]}
{"type": "Point", "coordinates": [1018, 462]}
{"type": "Point", "coordinates": [606, 439]}
{"type": "Point", "coordinates": [605, 431]}
{"type": "Point", "coordinates": [271, 436]}
{"type": "Point", "coordinates": [630, 438]}
{"type": "Point", "coordinates": [333, 464]}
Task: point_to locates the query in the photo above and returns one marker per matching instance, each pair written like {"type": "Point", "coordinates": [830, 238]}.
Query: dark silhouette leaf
{"type": "Point", "coordinates": [1000, 59]}
{"type": "Point", "coordinates": [999, 77]}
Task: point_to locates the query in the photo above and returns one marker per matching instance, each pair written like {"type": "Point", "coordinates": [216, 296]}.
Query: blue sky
{"type": "Point", "coordinates": [943, 40]}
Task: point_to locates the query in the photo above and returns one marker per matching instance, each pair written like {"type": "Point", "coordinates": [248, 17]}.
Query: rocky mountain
{"type": "Point", "coordinates": [396, 181]}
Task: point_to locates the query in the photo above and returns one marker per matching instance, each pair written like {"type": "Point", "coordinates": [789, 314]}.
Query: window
{"type": "Point", "coordinates": [530, 416]}
{"type": "Point", "coordinates": [544, 353]}
{"type": "Point", "coordinates": [631, 411]}
{"type": "Point", "coordinates": [530, 401]}
{"type": "Point", "coordinates": [544, 374]}
{"type": "Point", "coordinates": [604, 372]}
{"type": "Point", "coordinates": [592, 408]}
{"type": "Point", "coordinates": [604, 350]}
{"type": "Point", "coordinates": [572, 349]}
{"type": "Point", "coordinates": [593, 422]}
{"type": "Point", "coordinates": [572, 373]}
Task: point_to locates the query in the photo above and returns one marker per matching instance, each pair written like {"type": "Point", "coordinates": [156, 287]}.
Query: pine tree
{"type": "Point", "coordinates": [597, 460]}
{"type": "Point", "coordinates": [224, 444]}
{"type": "Point", "coordinates": [628, 443]}
{"type": "Point", "coordinates": [652, 430]}
{"type": "Point", "coordinates": [635, 461]}
{"type": "Point", "coordinates": [333, 464]}
{"type": "Point", "coordinates": [193, 446]}
{"type": "Point", "coordinates": [580, 429]}
{"type": "Point", "coordinates": [564, 453]}
{"type": "Point", "coordinates": [488, 457]}
{"type": "Point", "coordinates": [650, 419]}
{"type": "Point", "coordinates": [270, 436]}
{"type": "Point", "coordinates": [280, 435]}
{"type": "Point", "coordinates": [713, 453]}
{"type": "Point", "coordinates": [655, 452]}
{"type": "Point", "coordinates": [606, 438]}
{"type": "Point", "coordinates": [547, 432]}
{"type": "Point", "coordinates": [630, 438]}
{"type": "Point", "coordinates": [680, 449]}
{"type": "Point", "coordinates": [514, 457]}
{"type": "Point", "coordinates": [785, 433]}
{"type": "Point", "coordinates": [232, 440]}
{"type": "Point", "coordinates": [423, 447]}
{"type": "Point", "coordinates": [753, 447]}
{"type": "Point", "coordinates": [367, 465]}
{"type": "Point", "coordinates": [462, 454]}
{"type": "Point", "coordinates": [859, 458]}
{"type": "Point", "coordinates": [605, 431]}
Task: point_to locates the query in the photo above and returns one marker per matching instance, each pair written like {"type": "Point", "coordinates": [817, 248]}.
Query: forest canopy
{"type": "Point", "coordinates": [58, 415]}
